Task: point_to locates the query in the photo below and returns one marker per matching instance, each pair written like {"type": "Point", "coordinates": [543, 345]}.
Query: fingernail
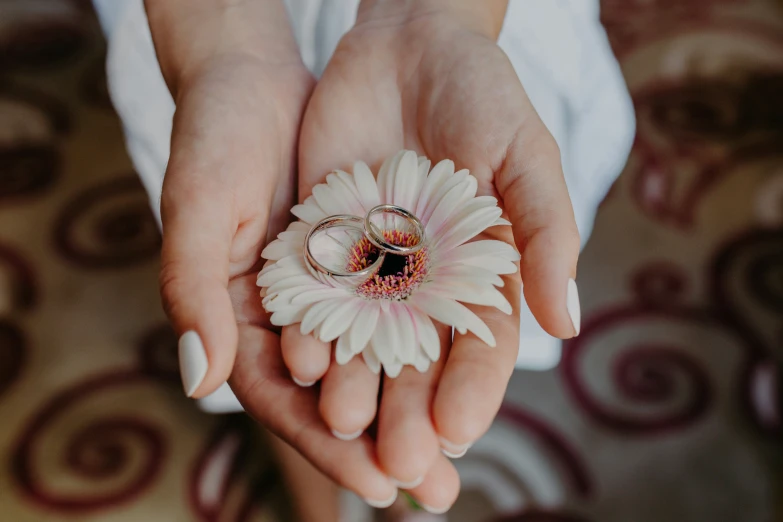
{"type": "Point", "coordinates": [348, 436]}
{"type": "Point", "coordinates": [302, 383]}
{"type": "Point", "coordinates": [193, 362]}
{"type": "Point", "coordinates": [382, 504]}
{"type": "Point", "coordinates": [454, 451]}
{"type": "Point", "coordinates": [434, 511]}
{"type": "Point", "coordinates": [408, 485]}
{"type": "Point", "coordinates": [572, 304]}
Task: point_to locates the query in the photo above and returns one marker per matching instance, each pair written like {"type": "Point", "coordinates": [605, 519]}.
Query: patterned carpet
{"type": "Point", "coordinates": [666, 408]}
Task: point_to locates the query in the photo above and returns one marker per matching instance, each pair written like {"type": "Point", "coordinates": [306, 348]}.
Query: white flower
{"type": "Point", "coordinates": [388, 319]}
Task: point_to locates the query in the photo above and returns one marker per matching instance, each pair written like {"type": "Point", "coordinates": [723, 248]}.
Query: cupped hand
{"type": "Point", "coordinates": [229, 186]}
{"type": "Point", "coordinates": [436, 83]}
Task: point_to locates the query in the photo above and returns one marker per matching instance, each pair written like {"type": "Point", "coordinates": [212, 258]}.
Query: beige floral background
{"type": "Point", "coordinates": [666, 408]}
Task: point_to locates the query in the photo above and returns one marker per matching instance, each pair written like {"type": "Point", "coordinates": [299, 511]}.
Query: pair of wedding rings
{"type": "Point", "coordinates": [342, 276]}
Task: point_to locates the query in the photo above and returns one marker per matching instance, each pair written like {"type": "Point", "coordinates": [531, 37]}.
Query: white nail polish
{"type": "Point", "coordinates": [193, 363]}
{"type": "Point", "coordinates": [302, 383]}
{"type": "Point", "coordinates": [454, 451]}
{"type": "Point", "coordinates": [573, 307]}
{"type": "Point", "coordinates": [382, 504]}
{"type": "Point", "coordinates": [347, 436]}
{"type": "Point", "coordinates": [408, 485]}
{"type": "Point", "coordinates": [434, 511]}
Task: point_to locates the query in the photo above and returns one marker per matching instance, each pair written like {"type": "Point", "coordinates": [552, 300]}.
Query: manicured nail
{"type": "Point", "coordinates": [382, 504]}
{"type": "Point", "coordinates": [347, 436]}
{"type": "Point", "coordinates": [193, 362]}
{"type": "Point", "coordinates": [435, 511]}
{"type": "Point", "coordinates": [454, 451]}
{"type": "Point", "coordinates": [408, 485]}
{"type": "Point", "coordinates": [302, 383]}
{"type": "Point", "coordinates": [572, 304]}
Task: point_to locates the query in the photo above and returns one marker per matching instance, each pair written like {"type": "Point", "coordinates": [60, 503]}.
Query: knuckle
{"type": "Point", "coordinates": [547, 147]}
{"type": "Point", "coordinates": [551, 231]}
{"type": "Point", "coordinates": [171, 284]}
{"type": "Point", "coordinates": [572, 237]}
{"type": "Point", "coordinates": [180, 190]}
{"type": "Point", "coordinates": [345, 420]}
{"type": "Point", "coordinates": [526, 158]}
{"type": "Point", "coordinates": [189, 185]}
{"type": "Point", "coordinates": [470, 420]}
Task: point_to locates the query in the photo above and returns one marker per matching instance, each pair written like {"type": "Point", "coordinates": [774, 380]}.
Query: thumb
{"type": "Point", "coordinates": [536, 198]}
{"type": "Point", "coordinates": [194, 277]}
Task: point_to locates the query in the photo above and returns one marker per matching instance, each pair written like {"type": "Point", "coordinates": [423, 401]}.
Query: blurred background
{"type": "Point", "coordinates": [666, 408]}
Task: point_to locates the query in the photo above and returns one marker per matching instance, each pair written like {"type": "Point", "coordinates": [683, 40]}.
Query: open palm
{"type": "Point", "coordinates": [449, 93]}
{"type": "Point", "coordinates": [229, 186]}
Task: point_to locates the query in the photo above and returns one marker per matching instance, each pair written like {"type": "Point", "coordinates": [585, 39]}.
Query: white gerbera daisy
{"type": "Point", "coordinates": [388, 318]}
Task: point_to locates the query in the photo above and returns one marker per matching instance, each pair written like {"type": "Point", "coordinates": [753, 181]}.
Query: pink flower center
{"type": "Point", "coordinates": [398, 276]}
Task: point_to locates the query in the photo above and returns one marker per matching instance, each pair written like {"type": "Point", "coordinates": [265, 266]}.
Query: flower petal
{"type": "Point", "coordinates": [347, 195]}
{"type": "Point", "coordinates": [449, 207]}
{"type": "Point", "coordinates": [372, 361]}
{"type": "Point", "coordinates": [458, 178]}
{"type": "Point", "coordinates": [424, 168]}
{"type": "Point", "coordinates": [467, 228]}
{"type": "Point", "coordinates": [386, 177]}
{"type": "Point", "coordinates": [367, 186]}
{"type": "Point", "coordinates": [325, 292]}
{"type": "Point", "coordinates": [495, 265]}
{"type": "Point", "coordinates": [482, 295]}
{"type": "Point", "coordinates": [284, 283]}
{"type": "Point", "coordinates": [364, 325]}
{"type": "Point", "coordinates": [482, 249]}
{"type": "Point", "coordinates": [298, 226]}
{"type": "Point", "coordinates": [267, 278]}
{"type": "Point", "coordinates": [426, 333]}
{"type": "Point", "coordinates": [406, 181]}
{"type": "Point", "coordinates": [330, 201]}
{"type": "Point", "coordinates": [348, 180]}
{"type": "Point", "coordinates": [309, 211]}
{"type": "Point", "coordinates": [393, 368]}
{"type": "Point", "coordinates": [292, 260]}
{"type": "Point", "coordinates": [288, 316]}
{"type": "Point", "coordinates": [277, 301]}
{"type": "Point", "coordinates": [293, 236]}
{"type": "Point", "coordinates": [386, 339]}
{"type": "Point", "coordinates": [466, 208]}
{"type": "Point", "coordinates": [422, 363]}
{"type": "Point", "coordinates": [450, 312]}
{"type": "Point", "coordinates": [339, 320]}
{"type": "Point", "coordinates": [315, 316]}
{"type": "Point", "coordinates": [278, 249]}
{"type": "Point", "coordinates": [405, 327]}
{"type": "Point", "coordinates": [459, 273]}
{"type": "Point", "coordinates": [500, 222]}
{"type": "Point", "coordinates": [437, 176]}
{"type": "Point", "coordinates": [342, 352]}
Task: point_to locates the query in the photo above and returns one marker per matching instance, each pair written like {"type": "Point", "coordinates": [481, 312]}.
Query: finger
{"type": "Point", "coordinates": [349, 398]}
{"type": "Point", "coordinates": [314, 496]}
{"type": "Point", "coordinates": [440, 487]}
{"type": "Point", "coordinates": [306, 357]}
{"type": "Point", "coordinates": [476, 375]}
{"type": "Point", "coordinates": [407, 440]}
{"type": "Point", "coordinates": [261, 383]}
{"type": "Point", "coordinates": [248, 307]}
{"type": "Point", "coordinates": [534, 193]}
{"type": "Point", "coordinates": [197, 232]}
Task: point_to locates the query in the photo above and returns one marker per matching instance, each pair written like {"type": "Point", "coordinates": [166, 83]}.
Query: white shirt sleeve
{"type": "Point", "coordinates": [558, 48]}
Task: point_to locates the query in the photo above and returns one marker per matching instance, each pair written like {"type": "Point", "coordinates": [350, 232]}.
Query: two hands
{"type": "Point", "coordinates": [253, 132]}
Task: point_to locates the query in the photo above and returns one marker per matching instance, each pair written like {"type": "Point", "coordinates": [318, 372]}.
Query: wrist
{"type": "Point", "coordinates": [481, 17]}
{"type": "Point", "coordinates": [189, 35]}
